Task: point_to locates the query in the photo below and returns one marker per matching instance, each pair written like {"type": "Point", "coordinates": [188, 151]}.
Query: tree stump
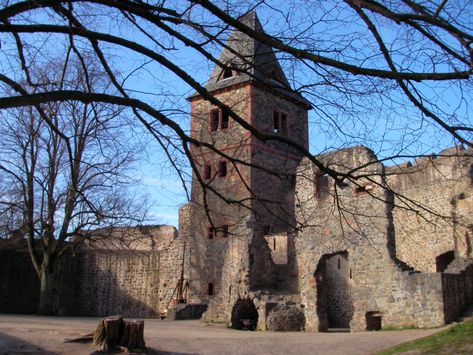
{"type": "Point", "coordinates": [108, 333]}
{"type": "Point", "coordinates": [132, 335]}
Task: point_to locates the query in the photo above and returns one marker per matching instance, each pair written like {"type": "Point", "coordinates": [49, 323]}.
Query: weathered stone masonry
{"type": "Point", "coordinates": [128, 271]}
{"type": "Point", "coordinates": [269, 237]}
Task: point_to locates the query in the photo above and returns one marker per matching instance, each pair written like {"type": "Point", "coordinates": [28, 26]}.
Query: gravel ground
{"type": "Point", "coordinates": [21, 334]}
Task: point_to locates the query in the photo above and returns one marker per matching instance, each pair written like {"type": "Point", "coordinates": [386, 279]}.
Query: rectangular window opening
{"type": "Point", "coordinates": [223, 169]}
{"type": "Point", "coordinates": [210, 289]}
{"type": "Point", "coordinates": [279, 122]}
{"type": "Point", "coordinates": [276, 122]}
{"type": "Point", "coordinates": [214, 118]}
{"type": "Point", "coordinates": [224, 121]}
{"type": "Point", "coordinates": [207, 171]}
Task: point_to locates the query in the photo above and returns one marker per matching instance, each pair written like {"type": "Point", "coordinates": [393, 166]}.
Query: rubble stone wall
{"type": "Point", "coordinates": [129, 271]}
{"type": "Point", "coordinates": [361, 222]}
{"type": "Point", "coordinates": [433, 204]}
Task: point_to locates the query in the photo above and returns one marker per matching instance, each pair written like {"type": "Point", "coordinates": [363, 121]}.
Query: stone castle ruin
{"type": "Point", "coordinates": [292, 250]}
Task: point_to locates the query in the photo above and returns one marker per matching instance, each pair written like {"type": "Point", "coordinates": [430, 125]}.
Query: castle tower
{"type": "Point", "coordinates": [243, 187]}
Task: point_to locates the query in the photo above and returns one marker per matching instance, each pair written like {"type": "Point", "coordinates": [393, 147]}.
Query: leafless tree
{"type": "Point", "coordinates": [64, 169]}
{"type": "Point", "coordinates": [395, 76]}
{"type": "Point", "coordinates": [356, 61]}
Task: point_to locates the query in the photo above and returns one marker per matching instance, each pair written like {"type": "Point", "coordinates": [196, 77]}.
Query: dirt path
{"type": "Point", "coordinates": [45, 335]}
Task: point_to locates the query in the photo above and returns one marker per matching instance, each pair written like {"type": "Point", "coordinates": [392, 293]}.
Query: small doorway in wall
{"type": "Point", "coordinates": [443, 260]}
{"type": "Point", "coordinates": [244, 314]}
{"type": "Point", "coordinates": [373, 320]}
{"type": "Point", "coordinates": [334, 292]}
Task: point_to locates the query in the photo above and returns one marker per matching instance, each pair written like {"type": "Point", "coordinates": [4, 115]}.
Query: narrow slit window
{"type": "Point", "coordinates": [207, 171]}
{"type": "Point", "coordinates": [276, 122]}
{"type": "Point", "coordinates": [210, 289]}
{"type": "Point", "coordinates": [223, 169]}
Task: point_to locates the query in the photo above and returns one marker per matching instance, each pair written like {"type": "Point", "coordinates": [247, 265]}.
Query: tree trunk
{"type": "Point", "coordinates": [108, 333]}
{"type": "Point", "coordinates": [132, 336]}
{"type": "Point", "coordinates": [46, 292]}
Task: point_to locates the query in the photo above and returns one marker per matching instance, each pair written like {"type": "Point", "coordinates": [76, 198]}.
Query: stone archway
{"type": "Point", "coordinates": [244, 314]}
{"type": "Point", "coordinates": [334, 291]}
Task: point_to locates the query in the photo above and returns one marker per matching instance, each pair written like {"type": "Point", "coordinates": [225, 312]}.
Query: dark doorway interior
{"type": "Point", "coordinates": [443, 260]}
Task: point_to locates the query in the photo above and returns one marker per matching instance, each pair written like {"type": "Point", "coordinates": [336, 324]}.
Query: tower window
{"type": "Point", "coordinates": [226, 73]}
{"type": "Point", "coordinates": [210, 289]}
{"type": "Point", "coordinates": [279, 122]}
{"type": "Point", "coordinates": [214, 118]}
{"type": "Point", "coordinates": [222, 169]}
{"type": "Point", "coordinates": [224, 120]}
{"type": "Point", "coordinates": [218, 120]}
{"type": "Point", "coordinates": [207, 172]}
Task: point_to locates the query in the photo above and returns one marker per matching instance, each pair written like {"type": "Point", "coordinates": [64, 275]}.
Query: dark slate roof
{"type": "Point", "coordinates": [250, 60]}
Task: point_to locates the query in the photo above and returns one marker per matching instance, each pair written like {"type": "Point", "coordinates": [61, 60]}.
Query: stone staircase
{"type": "Point", "coordinates": [458, 265]}
{"type": "Point", "coordinates": [405, 267]}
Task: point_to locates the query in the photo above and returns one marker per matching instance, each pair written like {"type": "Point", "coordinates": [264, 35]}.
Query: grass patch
{"type": "Point", "coordinates": [455, 340]}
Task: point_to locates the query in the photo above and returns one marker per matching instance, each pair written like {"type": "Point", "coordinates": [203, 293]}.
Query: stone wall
{"type": "Point", "coordinates": [457, 292]}
{"type": "Point", "coordinates": [357, 218]}
{"type": "Point", "coordinates": [128, 271]}
{"type": "Point", "coordinates": [433, 204]}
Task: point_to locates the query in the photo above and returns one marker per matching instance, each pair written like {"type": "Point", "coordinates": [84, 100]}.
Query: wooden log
{"type": "Point", "coordinates": [133, 335]}
{"type": "Point", "coordinates": [108, 332]}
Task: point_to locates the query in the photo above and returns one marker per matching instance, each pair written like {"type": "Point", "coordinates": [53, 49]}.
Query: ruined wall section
{"type": "Point", "coordinates": [357, 222]}
{"type": "Point", "coordinates": [119, 282]}
{"type": "Point", "coordinates": [129, 271]}
{"type": "Point", "coordinates": [273, 182]}
{"type": "Point", "coordinates": [433, 204]}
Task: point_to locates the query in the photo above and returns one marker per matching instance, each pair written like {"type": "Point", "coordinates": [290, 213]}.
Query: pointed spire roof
{"type": "Point", "coordinates": [248, 56]}
{"type": "Point", "coordinates": [248, 59]}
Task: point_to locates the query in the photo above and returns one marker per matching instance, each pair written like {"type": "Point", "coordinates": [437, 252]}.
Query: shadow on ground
{"type": "Point", "coordinates": [13, 345]}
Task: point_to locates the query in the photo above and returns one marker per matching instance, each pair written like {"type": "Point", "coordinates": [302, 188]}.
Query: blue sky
{"type": "Point", "coordinates": [380, 120]}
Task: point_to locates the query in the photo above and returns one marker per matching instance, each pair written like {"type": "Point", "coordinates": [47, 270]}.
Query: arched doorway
{"type": "Point", "coordinates": [244, 314]}
{"type": "Point", "coordinates": [334, 291]}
